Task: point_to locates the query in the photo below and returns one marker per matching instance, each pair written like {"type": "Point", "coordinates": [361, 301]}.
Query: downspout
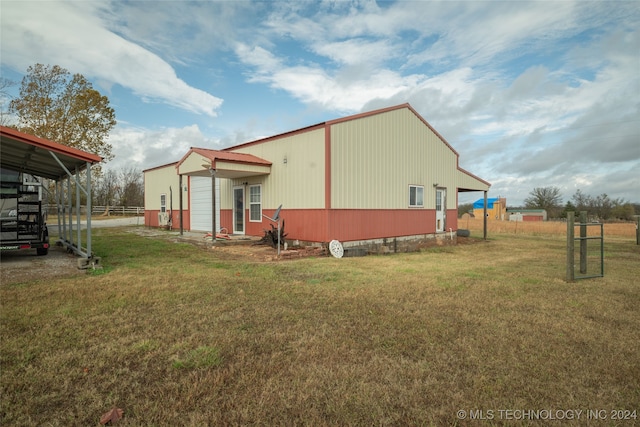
{"type": "Point", "coordinates": [181, 224]}
{"type": "Point", "coordinates": [170, 208]}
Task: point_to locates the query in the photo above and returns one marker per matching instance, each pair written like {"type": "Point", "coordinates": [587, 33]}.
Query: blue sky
{"type": "Point", "coordinates": [530, 94]}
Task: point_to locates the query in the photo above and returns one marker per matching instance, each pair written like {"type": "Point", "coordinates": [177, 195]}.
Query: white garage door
{"type": "Point", "coordinates": [201, 203]}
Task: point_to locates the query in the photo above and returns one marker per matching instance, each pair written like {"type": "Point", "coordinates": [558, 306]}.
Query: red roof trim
{"type": "Point", "coordinates": [160, 167]}
{"type": "Point", "coordinates": [368, 114]}
{"type": "Point", "coordinates": [279, 136]}
{"type": "Point", "coordinates": [50, 145]}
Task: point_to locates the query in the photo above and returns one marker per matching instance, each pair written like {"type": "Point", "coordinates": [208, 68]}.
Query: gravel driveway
{"type": "Point", "coordinates": [23, 266]}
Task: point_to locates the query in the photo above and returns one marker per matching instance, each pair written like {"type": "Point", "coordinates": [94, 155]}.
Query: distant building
{"type": "Point", "coordinates": [496, 208]}
{"type": "Point", "coordinates": [527, 214]}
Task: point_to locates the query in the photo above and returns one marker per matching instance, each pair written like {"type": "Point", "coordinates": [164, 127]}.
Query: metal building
{"type": "Point", "coordinates": [376, 175]}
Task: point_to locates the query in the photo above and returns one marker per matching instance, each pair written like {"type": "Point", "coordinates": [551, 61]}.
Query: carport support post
{"type": "Point", "coordinates": [59, 210]}
{"type": "Point", "coordinates": [180, 199]}
{"type": "Point", "coordinates": [78, 210]}
{"type": "Point", "coordinates": [484, 216]}
{"type": "Point", "coordinates": [89, 209]}
{"type": "Point", "coordinates": [70, 207]}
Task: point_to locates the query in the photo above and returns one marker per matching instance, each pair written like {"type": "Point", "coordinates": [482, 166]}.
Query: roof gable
{"type": "Point", "coordinates": [202, 161]}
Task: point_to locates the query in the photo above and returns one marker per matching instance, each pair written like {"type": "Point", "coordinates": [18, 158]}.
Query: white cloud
{"type": "Point", "coordinates": [314, 85]}
{"type": "Point", "coordinates": [528, 92]}
{"type": "Point", "coordinates": [357, 51]}
{"type": "Point", "coordinates": [147, 148]}
{"type": "Point", "coordinates": [70, 35]}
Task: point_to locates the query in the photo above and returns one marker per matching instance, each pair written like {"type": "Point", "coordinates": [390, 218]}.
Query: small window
{"type": "Point", "coordinates": [416, 196]}
{"type": "Point", "coordinates": [255, 203]}
{"type": "Point", "coordinates": [163, 203]}
{"type": "Point", "coordinates": [439, 200]}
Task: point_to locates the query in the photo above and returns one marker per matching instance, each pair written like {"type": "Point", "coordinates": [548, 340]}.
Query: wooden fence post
{"type": "Point", "coordinates": [570, 250]}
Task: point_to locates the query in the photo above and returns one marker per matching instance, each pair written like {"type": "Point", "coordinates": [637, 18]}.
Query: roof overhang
{"type": "Point", "coordinates": [469, 182]}
{"type": "Point", "coordinates": [40, 157]}
{"type": "Point", "coordinates": [202, 161]}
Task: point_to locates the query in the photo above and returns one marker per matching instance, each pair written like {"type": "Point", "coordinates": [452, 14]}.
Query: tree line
{"type": "Point", "coordinates": [119, 188]}
{"type": "Point", "coordinates": [600, 207]}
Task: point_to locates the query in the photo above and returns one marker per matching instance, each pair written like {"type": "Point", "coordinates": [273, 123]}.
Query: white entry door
{"type": "Point", "coordinates": [441, 212]}
{"type": "Point", "coordinates": [238, 210]}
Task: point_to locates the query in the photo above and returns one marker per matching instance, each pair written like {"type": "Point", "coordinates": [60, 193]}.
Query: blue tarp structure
{"type": "Point", "coordinates": [479, 204]}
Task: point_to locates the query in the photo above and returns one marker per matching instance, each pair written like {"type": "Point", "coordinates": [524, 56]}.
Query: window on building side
{"type": "Point", "coordinates": [163, 203]}
{"type": "Point", "coordinates": [416, 196]}
{"type": "Point", "coordinates": [255, 203]}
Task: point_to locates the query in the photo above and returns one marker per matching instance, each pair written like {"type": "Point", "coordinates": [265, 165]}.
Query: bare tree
{"type": "Point", "coordinates": [548, 198]}
{"type": "Point", "coordinates": [131, 187]}
{"type": "Point", "coordinates": [123, 187]}
{"type": "Point", "coordinates": [602, 206]}
{"type": "Point", "coordinates": [105, 189]}
{"type": "Point", "coordinates": [5, 99]}
{"type": "Point", "coordinates": [582, 201]}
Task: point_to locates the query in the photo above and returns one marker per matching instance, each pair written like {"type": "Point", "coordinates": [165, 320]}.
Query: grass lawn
{"type": "Point", "coordinates": [180, 335]}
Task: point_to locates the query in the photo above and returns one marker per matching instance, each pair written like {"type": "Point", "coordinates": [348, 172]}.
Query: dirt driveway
{"type": "Point", "coordinates": [23, 266]}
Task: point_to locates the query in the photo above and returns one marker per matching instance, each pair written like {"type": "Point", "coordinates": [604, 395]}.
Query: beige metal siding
{"type": "Point", "coordinates": [195, 162]}
{"type": "Point", "coordinates": [374, 159]}
{"type": "Point", "coordinates": [157, 181]}
{"type": "Point", "coordinates": [469, 182]}
{"type": "Point", "coordinates": [297, 184]}
{"type": "Point", "coordinates": [242, 167]}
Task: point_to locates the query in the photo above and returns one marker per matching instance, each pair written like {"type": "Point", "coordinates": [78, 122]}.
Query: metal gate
{"type": "Point", "coordinates": [590, 259]}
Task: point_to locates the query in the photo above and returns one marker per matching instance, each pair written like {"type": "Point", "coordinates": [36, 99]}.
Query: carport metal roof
{"type": "Point", "coordinates": [40, 157]}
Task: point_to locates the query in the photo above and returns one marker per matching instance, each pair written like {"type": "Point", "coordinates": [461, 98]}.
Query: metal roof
{"type": "Point", "coordinates": [40, 157]}
{"type": "Point", "coordinates": [226, 164]}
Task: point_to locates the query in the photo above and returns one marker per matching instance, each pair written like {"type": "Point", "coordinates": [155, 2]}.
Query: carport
{"type": "Point", "coordinates": [46, 159]}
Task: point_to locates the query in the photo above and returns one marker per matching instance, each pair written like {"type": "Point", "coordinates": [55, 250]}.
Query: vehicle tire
{"type": "Point", "coordinates": [463, 233]}
{"type": "Point", "coordinates": [44, 251]}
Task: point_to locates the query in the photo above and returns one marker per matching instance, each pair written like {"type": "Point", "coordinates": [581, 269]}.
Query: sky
{"type": "Point", "coordinates": [530, 94]}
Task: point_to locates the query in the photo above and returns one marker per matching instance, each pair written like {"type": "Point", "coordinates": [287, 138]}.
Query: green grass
{"type": "Point", "coordinates": [179, 335]}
